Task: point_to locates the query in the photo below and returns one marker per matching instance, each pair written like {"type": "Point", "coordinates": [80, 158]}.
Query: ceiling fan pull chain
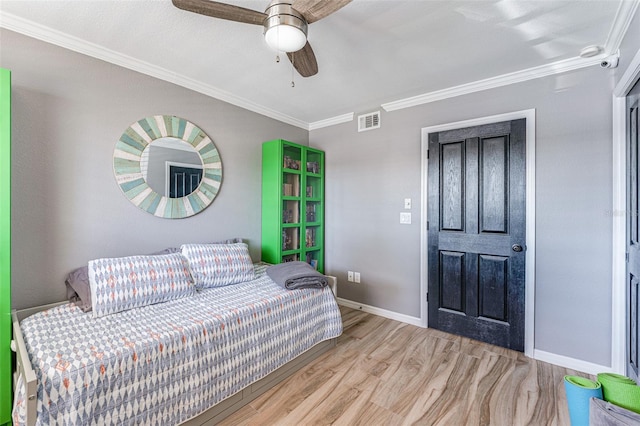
{"type": "Point", "coordinates": [293, 74]}
{"type": "Point", "coordinates": [278, 53]}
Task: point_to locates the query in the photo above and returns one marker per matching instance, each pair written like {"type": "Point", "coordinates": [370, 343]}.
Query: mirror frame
{"type": "Point", "coordinates": [126, 166]}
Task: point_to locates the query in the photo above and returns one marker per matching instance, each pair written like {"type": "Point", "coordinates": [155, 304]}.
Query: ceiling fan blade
{"type": "Point", "coordinates": [304, 61]}
{"type": "Point", "coordinates": [314, 10]}
{"type": "Point", "coordinates": [221, 10]}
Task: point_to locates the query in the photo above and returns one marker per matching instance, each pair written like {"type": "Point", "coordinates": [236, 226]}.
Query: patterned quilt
{"type": "Point", "coordinates": [168, 362]}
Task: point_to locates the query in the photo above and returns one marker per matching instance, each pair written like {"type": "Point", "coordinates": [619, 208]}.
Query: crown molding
{"type": "Point", "coordinates": [58, 38]}
{"type": "Point", "coordinates": [338, 119]}
{"type": "Point", "coordinates": [494, 82]}
{"type": "Point", "coordinates": [624, 16]}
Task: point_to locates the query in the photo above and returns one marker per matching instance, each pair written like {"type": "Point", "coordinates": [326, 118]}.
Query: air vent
{"type": "Point", "coordinates": [369, 121]}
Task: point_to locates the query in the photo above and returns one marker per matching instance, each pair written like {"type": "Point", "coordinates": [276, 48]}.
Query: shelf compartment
{"type": "Point", "coordinates": [290, 211]}
{"type": "Point", "coordinates": [311, 237]}
{"type": "Point", "coordinates": [290, 239]}
{"type": "Point", "coordinates": [313, 187]}
{"type": "Point", "coordinates": [290, 185]}
{"type": "Point", "coordinates": [314, 163]}
{"type": "Point", "coordinates": [292, 157]}
{"type": "Point", "coordinates": [311, 257]}
{"type": "Point", "coordinates": [290, 257]}
{"type": "Point", "coordinates": [313, 212]}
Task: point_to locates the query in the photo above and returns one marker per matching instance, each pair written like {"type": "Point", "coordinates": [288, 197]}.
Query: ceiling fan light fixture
{"type": "Point", "coordinates": [285, 38]}
{"type": "Point", "coordinates": [285, 30]}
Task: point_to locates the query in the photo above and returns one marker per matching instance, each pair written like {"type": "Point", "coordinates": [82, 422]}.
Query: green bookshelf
{"type": "Point", "coordinates": [5, 247]}
{"type": "Point", "coordinates": [292, 203]}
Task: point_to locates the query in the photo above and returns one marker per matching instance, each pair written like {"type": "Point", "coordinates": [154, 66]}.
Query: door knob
{"type": "Point", "coordinates": [517, 248]}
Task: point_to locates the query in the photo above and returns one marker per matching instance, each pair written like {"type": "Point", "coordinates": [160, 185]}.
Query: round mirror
{"type": "Point", "coordinates": [167, 166]}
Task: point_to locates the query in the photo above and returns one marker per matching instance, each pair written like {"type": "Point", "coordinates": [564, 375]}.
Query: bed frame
{"type": "Point", "coordinates": [212, 416]}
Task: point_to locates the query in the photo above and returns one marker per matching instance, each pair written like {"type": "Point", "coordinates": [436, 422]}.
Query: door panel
{"type": "Point", "coordinates": [452, 178]}
{"type": "Point", "coordinates": [633, 325]}
{"type": "Point", "coordinates": [476, 203]}
{"type": "Point", "coordinates": [494, 185]}
{"type": "Point", "coordinates": [633, 244]}
{"type": "Point", "coordinates": [632, 169]}
{"type": "Point", "coordinates": [493, 287]}
{"type": "Point", "coordinates": [452, 281]}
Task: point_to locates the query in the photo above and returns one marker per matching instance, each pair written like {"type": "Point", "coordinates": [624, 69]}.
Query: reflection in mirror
{"type": "Point", "coordinates": [171, 167]}
{"type": "Point", "coordinates": [167, 166]}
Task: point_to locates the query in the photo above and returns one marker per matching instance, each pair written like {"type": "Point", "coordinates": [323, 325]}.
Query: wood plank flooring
{"type": "Point", "coordinates": [385, 372]}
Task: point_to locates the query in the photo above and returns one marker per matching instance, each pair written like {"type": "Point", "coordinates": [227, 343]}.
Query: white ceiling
{"type": "Point", "coordinates": [370, 53]}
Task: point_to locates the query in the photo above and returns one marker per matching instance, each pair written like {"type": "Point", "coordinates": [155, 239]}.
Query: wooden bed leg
{"type": "Point", "coordinates": [23, 368]}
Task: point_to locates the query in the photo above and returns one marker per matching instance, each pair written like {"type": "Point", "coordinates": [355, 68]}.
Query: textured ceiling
{"type": "Point", "coordinates": [370, 53]}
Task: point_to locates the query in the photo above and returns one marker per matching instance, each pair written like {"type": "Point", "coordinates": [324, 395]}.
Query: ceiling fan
{"type": "Point", "coordinates": [285, 24]}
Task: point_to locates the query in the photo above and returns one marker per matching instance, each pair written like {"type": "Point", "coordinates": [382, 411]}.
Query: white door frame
{"type": "Point", "coordinates": [530, 116]}
{"type": "Point", "coordinates": [618, 217]}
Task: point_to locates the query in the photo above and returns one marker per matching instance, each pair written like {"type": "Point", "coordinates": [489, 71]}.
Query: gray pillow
{"type": "Point", "coordinates": [79, 290]}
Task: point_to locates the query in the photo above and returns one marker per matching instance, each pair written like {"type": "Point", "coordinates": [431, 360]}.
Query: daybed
{"type": "Point", "coordinates": [194, 359]}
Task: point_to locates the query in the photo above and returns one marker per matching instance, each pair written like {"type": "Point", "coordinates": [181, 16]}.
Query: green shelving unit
{"type": "Point", "coordinates": [5, 247]}
{"type": "Point", "coordinates": [292, 203]}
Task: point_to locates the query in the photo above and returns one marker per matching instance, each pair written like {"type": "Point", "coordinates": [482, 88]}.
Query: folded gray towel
{"type": "Point", "coordinates": [602, 413]}
{"type": "Point", "coordinates": [293, 275]}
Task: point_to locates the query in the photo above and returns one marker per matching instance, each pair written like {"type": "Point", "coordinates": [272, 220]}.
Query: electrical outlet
{"type": "Point", "coordinates": [356, 277]}
{"type": "Point", "coordinates": [405, 218]}
{"type": "Point", "coordinates": [350, 276]}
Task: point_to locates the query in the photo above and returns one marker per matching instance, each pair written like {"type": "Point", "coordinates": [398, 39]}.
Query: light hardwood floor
{"type": "Point", "coordinates": [385, 372]}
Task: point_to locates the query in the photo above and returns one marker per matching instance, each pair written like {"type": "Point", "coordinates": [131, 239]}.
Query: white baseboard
{"type": "Point", "coordinates": [380, 312]}
{"type": "Point", "coordinates": [551, 358]}
{"type": "Point", "coordinates": [571, 363]}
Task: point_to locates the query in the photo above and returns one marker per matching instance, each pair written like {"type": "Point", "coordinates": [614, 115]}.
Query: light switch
{"type": "Point", "coordinates": [407, 203]}
{"type": "Point", "coordinates": [405, 218]}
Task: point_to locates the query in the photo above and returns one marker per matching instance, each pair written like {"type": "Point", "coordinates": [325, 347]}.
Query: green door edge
{"type": "Point", "coordinates": [5, 248]}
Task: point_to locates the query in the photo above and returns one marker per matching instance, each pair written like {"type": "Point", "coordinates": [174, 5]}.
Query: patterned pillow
{"type": "Point", "coordinates": [79, 289]}
{"type": "Point", "coordinates": [119, 284]}
{"type": "Point", "coordinates": [217, 265]}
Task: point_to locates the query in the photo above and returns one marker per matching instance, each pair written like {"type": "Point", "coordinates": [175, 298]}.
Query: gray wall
{"type": "Point", "coordinates": [370, 173]}
{"type": "Point", "coordinates": [68, 112]}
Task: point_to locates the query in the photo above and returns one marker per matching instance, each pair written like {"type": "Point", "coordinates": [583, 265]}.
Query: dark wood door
{"type": "Point", "coordinates": [183, 180]}
{"type": "Point", "coordinates": [633, 233]}
{"type": "Point", "coordinates": [476, 219]}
